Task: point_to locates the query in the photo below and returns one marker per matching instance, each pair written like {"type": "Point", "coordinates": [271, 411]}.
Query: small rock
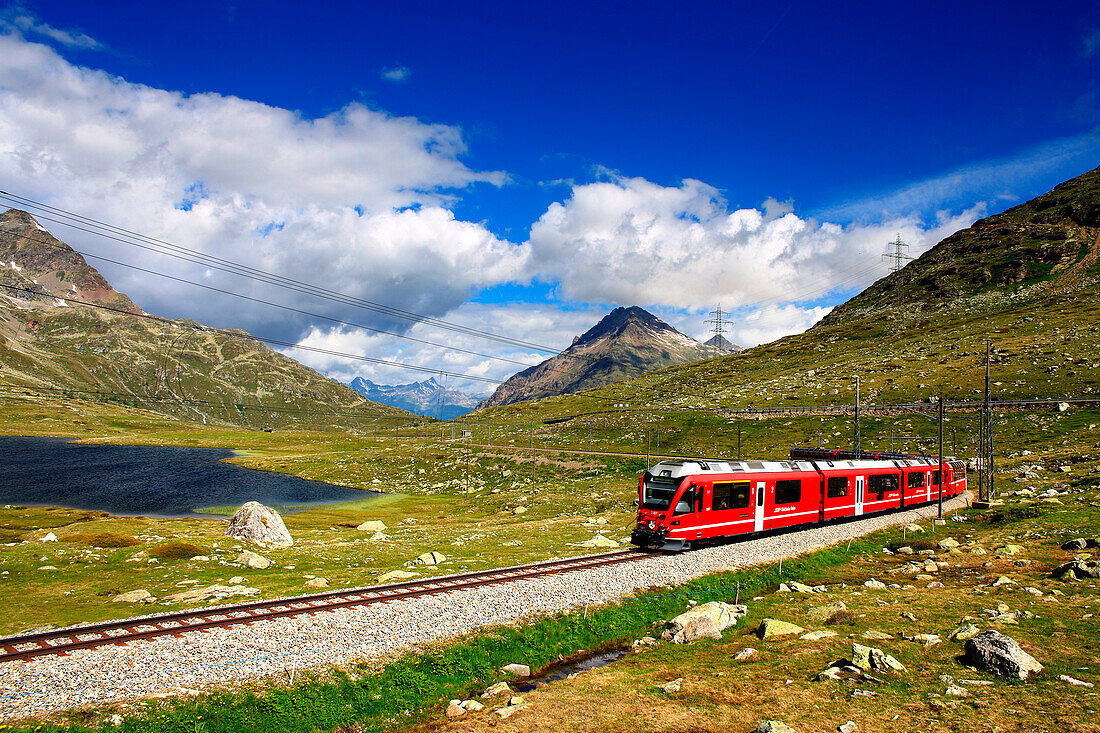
{"type": "Point", "coordinates": [430, 558]}
{"type": "Point", "coordinates": [396, 575]}
{"type": "Point", "coordinates": [671, 687]}
{"type": "Point", "coordinates": [372, 525]}
{"type": "Point", "coordinates": [134, 596]}
{"type": "Point", "coordinates": [822, 613]}
{"type": "Point", "coordinates": [914, 528]}
{"type": "Point", "coordinates": [50, 537]}
{"type": "Point", "coordinates": [801, 587]}
{"type": "Point", "coordinates": [876, 635]}
{"type": "Point", "coordinates": [519, 670]}
{"type": "Point", "coordinates": [947, 543]}
{"type": "Point", "coordinates": [252, 560]}
{"type": "Point", "coordinates": [955, 691]}
{"type": "Point", "coordinates": [872, 583]}
{"type": "Point", "coordinates": [455, 709]}
{"type": "Point", "coordinates": [771, 628]}
{"type": "Point", "coordinates": [817, 635]}
{"type": "Point", "coordinates": [494, 690]}
{"type": "Point", "coordinates": [236, 580]}
{"type": "Point", "coordinates": [472, 706]}
{"type": "Point", "coordinates": [869, 658]}
{"type": "Point", "coordinates": [317, 583]}
{"type": "Point", "coordinates": [1074, 681]}
{"type": "Point", "coordinates": [600, 541]}
{"type": "Point", "coordinates": [746, 653]}
{"type": "Point", "coordinates": [964, 632]}
{"type": "Point", "coordinates": [849, 727]}
{"type": "Point", "coordinates": [774, 726]}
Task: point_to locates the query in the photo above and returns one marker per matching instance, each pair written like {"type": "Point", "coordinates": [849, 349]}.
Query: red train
{"type": "Point", "coordinates": [686, 503]}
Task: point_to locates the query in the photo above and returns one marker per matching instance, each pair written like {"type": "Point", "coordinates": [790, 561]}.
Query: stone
{"type": "Point", "coordinates": [801, 587]}
{"type": "Point", "coordinates": [252, 560]}
{"type": "Point", "coordinates": [494, 690]}
{"type": "Point", "coordinates": [378, 537]}
{"type": "Point", "coordinates": [134, 596]}
{"type": "Point", "coordinates": [954, 690]}
{"type": "Point", "coordinates": [472, 706]}
{"type": "Point", "coordinates": [519, 510]}
{"type": "Point", "coordinates": [998, 654]}
{"type": "Point", "coordinates": [871, 659]}
{"type": "Point", "coordinates": [914, 528]}
{"type": "Point", "coordinates": [595, 521]}
{"type": "Point", "coordinates": [1077, 570]}
{"type": "Point", "coordinates": [262, 525]}
{"type": "Point", "coordinates": [317, 583]}
{"type": "Point", "coordinates": [746, 653]}
{"type": "Point", "coordinates": [817, 635]}
{"type": "Point", "coordinates": [872, 583]}
{"type": "Point", "coordinates": [876, 635]}
{"type": "Point", "coordinates": [671, 687]}
{"type": "Point", "coordinates": [964, 632]}
{"type": "Point", "coordinates": [822, 613]}
{"type": "Point", "coordinates": [372, 525]}
{"type": "Point", "coordinates": [705, 620]}
{"type": "Point", "coordinates": [47, 567]}
{"type": "Point", "coordinates": [515, 700]}
{"type": "Point", "coordinates": [1080, 544]}
{"type": "Point", "coordinates": [50, 537]}
{"type": "Point", "coordinates": [906, 550]}
{"type": "Point", "coordinates": [848, 727]}
{"type": "Point", "coordinates": [455, 709]}
{"type": "Point", "coordinates": [1074, 681]}
{"type": "Point", "coordinates": [600, 541]}
{"type": "Point", "coordinates": [947, 543]}
{"type": "Point", "coordinates": [774, 726]}
{"type": "Point", "coordinates": [1003, 580]}
{"type": "Point", "coordinates": [771, 628]}
{"type": "Point", "coordinates": [396, 575]}
{"type": "Point", "coordinates": [927, 639]}
{"type": "Point", "coordinates": [508, 710]}
{"type": "Point", "coordinates": [236, 580]}
{"type": "Point", "coordinates": [430, 558]}
{"type": "Point", "coordinates": [519, 670]}
{"type": "Point", "coordinates": [215, 591]}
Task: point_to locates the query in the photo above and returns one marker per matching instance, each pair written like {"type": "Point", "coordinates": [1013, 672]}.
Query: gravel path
{"type": "Point", "coordinates": [169, 665]}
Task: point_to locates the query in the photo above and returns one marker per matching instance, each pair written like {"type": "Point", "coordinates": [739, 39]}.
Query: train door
{"type": "Point", "coordinates": [859, 496]}
{"type": "Point", "coordinates": [759, 525]}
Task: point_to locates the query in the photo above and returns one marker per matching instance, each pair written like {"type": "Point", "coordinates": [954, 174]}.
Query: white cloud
{"type": "Point", "coordinates": [629, 240]}
{"type": "Point", "coordinates": [355, 201]}
{"type": "Point", "coordinates": [396, 74]}
{"type": "Point", "coordinates": [24, 22]}
{"type": "Point", "coordinates": [1090, 43]}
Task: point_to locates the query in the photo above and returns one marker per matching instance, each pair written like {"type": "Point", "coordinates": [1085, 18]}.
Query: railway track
{"type": "Point", "coordinates": [63, 641]}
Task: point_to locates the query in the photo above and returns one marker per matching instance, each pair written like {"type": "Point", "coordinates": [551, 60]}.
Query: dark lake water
{"type": "Point", "coordinates": [137, 480]}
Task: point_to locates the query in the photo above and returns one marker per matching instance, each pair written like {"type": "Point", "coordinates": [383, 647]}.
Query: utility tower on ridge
{"type": "Point", "coordinates": [718, 314]}
{"type": "Point", "coordinates": [897, 252]}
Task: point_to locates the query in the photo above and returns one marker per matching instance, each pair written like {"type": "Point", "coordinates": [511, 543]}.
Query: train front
{"type": "Point", "coordinates": [658, 488]}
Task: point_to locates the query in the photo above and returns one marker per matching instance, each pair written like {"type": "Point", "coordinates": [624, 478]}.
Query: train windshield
{"type": "Point", "coordinates": [658, 491]}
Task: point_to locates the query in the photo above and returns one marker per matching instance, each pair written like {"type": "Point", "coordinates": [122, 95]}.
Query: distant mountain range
{"type": "Point", "coordinates": [65, 331]}
{"type": "Point", "coordinates": [627, 342]}
{"type": "Point", "coordinates": [423, 398]}
{"type": "Point", "coordinates": [720, 342]}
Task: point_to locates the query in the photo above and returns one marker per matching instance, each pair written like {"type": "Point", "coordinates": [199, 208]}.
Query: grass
{"type": "Point", "coordinates": [104, 539]}
{"type": "Point", "coordinates": [178, 551]}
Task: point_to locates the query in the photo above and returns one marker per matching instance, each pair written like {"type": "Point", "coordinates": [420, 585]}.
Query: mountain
{"type": "Point", "coordinates": [65, 331]}
{"type": "Point", "coordinates": [1046, 246]}
{"type": "Point", "coordinates": [724, 345]}
{"type": "Point", "coordinates": [627, 342]}
{"type": "Point", "coordinates": [423, 398]}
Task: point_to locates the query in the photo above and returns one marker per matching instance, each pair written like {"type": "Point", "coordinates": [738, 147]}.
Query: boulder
{"type": "Point", "coordinates": [1077, 570]}
{"type": "Point", "coordinates": [252, 560]}
{"type": "Point", "coordinates": [1080, 544]}
{"type": "Point", "coordinates": [317, 583]}
{"type": "Point", "coordinates": [801, 587]}
{"type": "Point", "coordinates": [50, 537]}
{"type": "Point", "coordinates": [396, 575]}
{"type": "Point", "coordinates": [134, 596]}
{"type": "Point", "coordinates": [455, 709]}
{"type": "Point", "coordinates": [771, 628]}
{"type": "Point", "coordinates": [257, 523]}
{"type": "Point", "coordinates": [519, 670]}
{"type": "Point", "coordinates": [372, 525]}
{"type": "Point", "coordinates": [600, 541]}
{"type": "Point", "coordinates": [430, 558]}
{"type": "Point", "coordinates": [689, 625]}
{"type": "Point", "coordinates": [872, 583]}
{"type": "Point", "coordinates": [848, 727]}
{"type": "Point", "coordinates": [964, 632]}
{"type": "Point", "coordinates": [744, 654]}
{"type": "Point", "coordinates": [871, 659]}
{"type": "Point", "coordinates": [994, 652]}
{"type": "Point", "coordinates": [876, 635]}
{"type": "Point", "coordinates": [947, 543]}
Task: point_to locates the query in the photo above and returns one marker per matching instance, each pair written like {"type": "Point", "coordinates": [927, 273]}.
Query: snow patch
{"type": "Point", "coordinates": [59, 303]}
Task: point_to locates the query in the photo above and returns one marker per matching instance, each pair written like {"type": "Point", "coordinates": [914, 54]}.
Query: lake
{"type": "Point", "coordinates": [147, 481]}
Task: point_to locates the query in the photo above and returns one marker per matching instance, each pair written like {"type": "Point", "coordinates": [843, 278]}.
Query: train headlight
{"type": "Point", "coordinates": [652, 525]}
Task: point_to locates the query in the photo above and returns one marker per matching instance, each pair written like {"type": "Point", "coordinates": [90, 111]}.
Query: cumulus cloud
{"type": "Point", "coordinates": [356, 200]}
{"type": "Point", "coordinates": [629, 240]}
{"type": "Point", "coordinates": [396, 74]}
{"type": "Point", "coordinates": [21, 20]}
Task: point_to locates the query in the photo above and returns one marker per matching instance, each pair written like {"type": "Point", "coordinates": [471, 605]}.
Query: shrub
{"type": "Point", "coordinates": [102, 539]}
{"type": "Point", "coordinates": [841, 618]}
{"type": "Point", "coordinates": [177, 551]}
{"type": "Point", "coordinates": [916, 544]}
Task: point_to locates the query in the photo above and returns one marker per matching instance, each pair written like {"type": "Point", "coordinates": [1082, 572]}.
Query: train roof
{"type": "Point", "coordinates": [694, 466]}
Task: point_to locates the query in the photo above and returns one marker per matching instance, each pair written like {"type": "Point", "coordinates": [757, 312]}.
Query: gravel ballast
{"type": "Point", "coordinates": [171, 666]}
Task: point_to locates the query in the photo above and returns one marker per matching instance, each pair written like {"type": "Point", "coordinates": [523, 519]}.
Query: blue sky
{"type": "Point", "coordinates": [584, 154]}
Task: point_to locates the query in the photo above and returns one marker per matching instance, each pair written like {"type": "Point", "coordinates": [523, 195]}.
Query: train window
{"type": "Point", "coordinates": [657, 492]}
{"type": "Point", "coordinates": [882, 483]}
{"type": "Point", "coordinates": [838, 486]}
{"type": "Point", "coordinates": [731, 495]}
{"type": "Point", "coordinates": [788, 492]}
{"type": "Point", "coordinates": [686, 505]}
{"type": "Point", "coordinates": [935, 478]}
{"type": "Point", "coordinates": [916, 480]}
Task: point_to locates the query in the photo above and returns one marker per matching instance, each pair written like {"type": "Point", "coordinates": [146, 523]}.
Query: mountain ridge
{"type": "Point", "coordinates": [422, 398]}
{"type": "Point", "coordinates": [625, 343]}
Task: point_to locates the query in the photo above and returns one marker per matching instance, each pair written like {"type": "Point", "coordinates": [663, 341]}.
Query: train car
{"type": "Point", "coordinates": [687, 503]}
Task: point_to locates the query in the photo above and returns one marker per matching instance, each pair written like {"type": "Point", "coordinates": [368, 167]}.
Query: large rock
{"type": "Point", "coordinates": [822, 613]}
{"type": "Point", "coordinates": [774, 726]}
{"type": "Point", "coordinates": [771, 628]}
{"type": "Point", "coordinates": [134, 596]}
{"type": "Point", "coordinates": [372, 525]}
{"type": "Point", "coordinates": [257, 523]}
{"type": "Point", "coordinates": [600, 541]}
{"type": "Point", "coordinates": [396, 575]}
{"type": "Point", "coordinates": [1078, 570]}
{"type": "Point", "coordinates": [1080, 544]}
{"type": "Point", "coordinates": [706, 620]}
{"type": "Point", "coordinates": [994, 652]}
{"type": "Point", "coordinates": [519, 670]}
